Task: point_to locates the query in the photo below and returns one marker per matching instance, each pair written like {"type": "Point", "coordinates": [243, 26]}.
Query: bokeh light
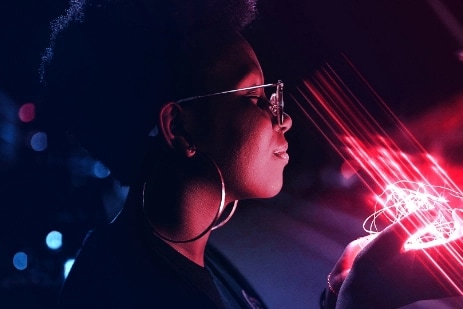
{"type": "Point", "coordinates": [100, 170]}
{"type": "Point", "coordinates": [39, 141]}
{"type": "Point", "coordinates": [83, 165]}
{"type": "Point", "coordinates": [9, 131]}
{"type": "Point", "coordinates": [20, 260]}
{"type": "Point", "coordinates": [27, 112]}
{"type": "Point", "coordinates": [67, 267]}
{"type": "Point", "coordinates": [54, 240]}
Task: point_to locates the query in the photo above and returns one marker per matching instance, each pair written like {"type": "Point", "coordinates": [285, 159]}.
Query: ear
{"type": "Point", "coordinates": [173, 130]}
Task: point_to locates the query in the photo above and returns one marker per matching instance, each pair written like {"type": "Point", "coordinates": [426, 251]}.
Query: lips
{"type": "Point", "coordinates": [281, 152]}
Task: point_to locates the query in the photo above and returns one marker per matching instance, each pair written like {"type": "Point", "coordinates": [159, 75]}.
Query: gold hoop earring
{"type": "Point", "coordinates": [214, 225]}
{"type": "Point", "coordinates": [222, 223]}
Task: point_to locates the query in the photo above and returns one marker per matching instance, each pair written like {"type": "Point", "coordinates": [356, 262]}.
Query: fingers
{"type": "Point", "coordinates": [355, 246]}
{"type": "Point", "coordinates": [427, 273]}
{"type": "Point", "coordinates": [392, 239]}
{"type": "Point", "coordinates": [451, 239]}
{"type": "Point", "coordinates": [349, 254]}
{"type": "Point", "coordinates": [361, 242]}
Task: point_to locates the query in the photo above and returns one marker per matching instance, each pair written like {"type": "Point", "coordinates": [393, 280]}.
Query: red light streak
{"type": "Point", "coordinates": [403, 198]}
{"type": "Point", "coordinates": [402, 181]}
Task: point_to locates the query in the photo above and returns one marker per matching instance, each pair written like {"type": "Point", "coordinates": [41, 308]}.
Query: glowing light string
{"type": "Point", "coordinates": [402, 181]}
{"type": "Point", "coordinates": [404, 197]}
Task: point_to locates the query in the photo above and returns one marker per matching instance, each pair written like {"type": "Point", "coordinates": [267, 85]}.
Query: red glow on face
{"type": "Point", "coordinates": [402, 176]}
{"type": "Point", "coordinates": [27, 112]}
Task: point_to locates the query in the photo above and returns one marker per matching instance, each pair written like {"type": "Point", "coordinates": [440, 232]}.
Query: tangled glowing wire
{"type": "Point", "coordinates": [404, 179]}
{"type": "Point", "coordinates": [405, 197]}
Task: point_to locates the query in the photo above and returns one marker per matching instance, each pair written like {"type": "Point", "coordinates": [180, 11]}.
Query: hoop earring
{"type": "Point", "coordinates": [214, 225]}
{"type": "Point", "coordinates": [222, 223]}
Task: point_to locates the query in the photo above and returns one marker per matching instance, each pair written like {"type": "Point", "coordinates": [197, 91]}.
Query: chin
{"type": "Point", "coordinates": [272, 191]}
{"type": "Point", "coordinates": [262, 190]}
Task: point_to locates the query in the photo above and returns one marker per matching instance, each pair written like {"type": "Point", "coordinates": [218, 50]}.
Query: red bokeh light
{"type": "Point", "coordinates": [27, 112]}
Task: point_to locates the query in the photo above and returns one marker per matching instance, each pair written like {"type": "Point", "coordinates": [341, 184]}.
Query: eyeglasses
{"type": "Point", "coordinates": [276, 103]}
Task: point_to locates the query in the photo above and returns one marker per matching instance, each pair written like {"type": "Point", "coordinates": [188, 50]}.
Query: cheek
{"type": "Point", "coordinates": [252, 169]}
{"type": "Point", "coordinates": [258, 174]}
{"type": "Point", "coordinates": [242, 144]}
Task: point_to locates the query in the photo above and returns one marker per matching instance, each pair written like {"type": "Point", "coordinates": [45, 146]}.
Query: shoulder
{"type": "Point", "coordinates": [111, 270]}
{"type": "Point", "coordinates": [230, 277]}
{"type": "Point", "coordinates": [119, 269]}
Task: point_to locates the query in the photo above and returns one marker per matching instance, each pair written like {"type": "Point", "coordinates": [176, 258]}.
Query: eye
{"type": "Point", "coordinates": [263, 103]}
{"type": "Point", "coordinates": [259, 101]}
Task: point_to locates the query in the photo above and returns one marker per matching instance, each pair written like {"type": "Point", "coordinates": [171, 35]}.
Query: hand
{"type": "Point", "coordinates": [344, 264]}
{"type": "Point", "coordinates": [384, 275]}
{"type": "Point", "coordinates": [339, 273]}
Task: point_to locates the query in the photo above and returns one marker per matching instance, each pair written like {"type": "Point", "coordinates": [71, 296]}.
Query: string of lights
{"type": "Point", "coordinates": [398, 172]}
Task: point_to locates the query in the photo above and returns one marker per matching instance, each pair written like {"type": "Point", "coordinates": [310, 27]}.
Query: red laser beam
{"type": "Point", "coordinates": [403, 177]}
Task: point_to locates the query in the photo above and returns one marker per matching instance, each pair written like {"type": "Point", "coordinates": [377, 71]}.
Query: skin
{"type": "Point", "coordinates": [238, 134]}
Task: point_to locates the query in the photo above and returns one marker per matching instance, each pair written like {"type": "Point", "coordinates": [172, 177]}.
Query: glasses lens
{"type": "Point", "coordinates": [276, 101]}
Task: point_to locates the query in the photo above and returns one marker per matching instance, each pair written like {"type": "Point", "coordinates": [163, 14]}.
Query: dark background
{"type": "Point", "coordinates": [285, 245]}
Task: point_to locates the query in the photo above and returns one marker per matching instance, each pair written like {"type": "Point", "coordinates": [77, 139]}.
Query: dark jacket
{"type": "Point", "coordinates": [123, 265]}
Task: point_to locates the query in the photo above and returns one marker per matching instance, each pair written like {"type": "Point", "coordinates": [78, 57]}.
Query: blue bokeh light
{"type": "Point", "coordinates": [67, 267]}
{"type": "Point", "coordinates": [20, 260]}
{"type": "Point", "coordinates": [54, 240]}
{"type": "Point", "coordinates": [39, 141]}
{"type": "Point", "coordinates": [100, 170]}
{"type": "Point", "coordinates": [9, 131]}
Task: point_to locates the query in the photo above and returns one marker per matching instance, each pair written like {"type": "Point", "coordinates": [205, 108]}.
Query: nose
{"type": "Point", "coordinates": [285, 126]}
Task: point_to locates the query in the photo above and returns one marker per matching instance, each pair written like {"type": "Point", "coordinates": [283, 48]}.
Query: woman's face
{"type": "Point", "coordinates": [240, 134]}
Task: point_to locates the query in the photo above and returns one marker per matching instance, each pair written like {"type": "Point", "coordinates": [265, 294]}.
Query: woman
{"type": "Point", "coordinates": [172, 98]}
{"type": "Point", "coordinates": [203, 153]}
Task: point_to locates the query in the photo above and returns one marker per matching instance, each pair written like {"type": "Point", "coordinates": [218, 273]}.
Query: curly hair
{"type": "Point", "coordinates": [110, 65]}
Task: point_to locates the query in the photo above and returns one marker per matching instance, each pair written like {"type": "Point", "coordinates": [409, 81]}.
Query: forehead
{"type": "Point", "coordinates": [235, 67]}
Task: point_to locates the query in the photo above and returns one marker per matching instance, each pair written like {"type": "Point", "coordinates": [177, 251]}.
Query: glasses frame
{"type": "Point", "coordinates": [276, 102]}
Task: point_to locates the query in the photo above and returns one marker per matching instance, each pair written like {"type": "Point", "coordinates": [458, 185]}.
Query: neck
{"type": "Point", "coordinates": [185, 221]}
{"type": "Point", "coordinates": [193, 251]}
